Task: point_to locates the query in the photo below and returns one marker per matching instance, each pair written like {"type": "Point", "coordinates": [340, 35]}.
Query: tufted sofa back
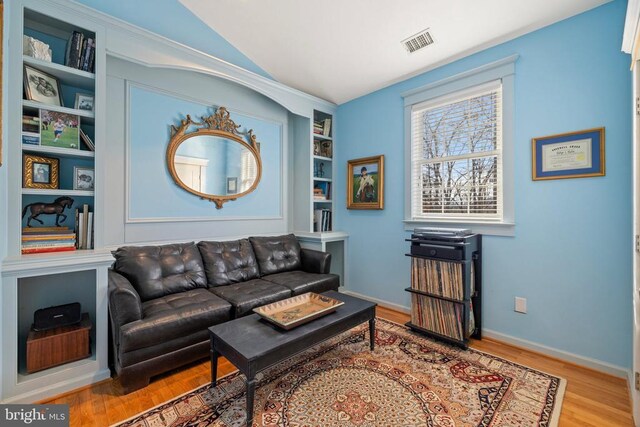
{"type": "Point", "coordinates": [229, 262]}
{"type": "Point", "coordinates": [277, 254]}
{"type": "Point", "coordinates": [156, 271]}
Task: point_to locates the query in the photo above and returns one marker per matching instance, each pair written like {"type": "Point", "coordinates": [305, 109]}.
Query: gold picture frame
{"type": "Point", "coordinates": [578, 154]}
{"type": "Point", "coordinates": [365, 187]}
{"type": "Point", "coordinates": [40, 172]}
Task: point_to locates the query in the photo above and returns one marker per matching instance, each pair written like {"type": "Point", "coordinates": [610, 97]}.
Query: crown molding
{"type": "Point", "coordinates": [631, 26]}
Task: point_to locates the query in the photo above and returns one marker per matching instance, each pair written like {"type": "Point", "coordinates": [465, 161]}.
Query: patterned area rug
{"type": "Point", "coordinates": [408, 380]}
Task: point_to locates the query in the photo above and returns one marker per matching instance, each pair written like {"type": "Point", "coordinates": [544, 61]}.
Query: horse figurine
{"type": "Point", "coordinates": [57, 208]}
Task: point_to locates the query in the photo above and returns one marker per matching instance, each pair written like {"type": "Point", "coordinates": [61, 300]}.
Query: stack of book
{"type": "Point", "coordinates": [81, 51]}
{"type": "Point", "coordinates": [322, 191]}
{"type": "Point", "coordinates": [84, 228]}
{"type": "Point", "coordinates": [322, 220]}
{"type": "Point", "coordinates": [47, 239]}
{"type": "Point", "coordinates": [322, 127]}
{"type": "Point", "coordinates": [31, 124]}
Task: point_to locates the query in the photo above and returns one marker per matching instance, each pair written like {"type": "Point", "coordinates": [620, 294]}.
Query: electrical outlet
{"type": "Point", "coordinates": [521, 305]}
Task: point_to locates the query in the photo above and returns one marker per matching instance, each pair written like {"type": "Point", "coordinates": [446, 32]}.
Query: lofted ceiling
{"type": "Point", "coordinates": [342, 49]}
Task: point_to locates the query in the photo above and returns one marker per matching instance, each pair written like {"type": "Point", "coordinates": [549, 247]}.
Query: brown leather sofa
{"type": "Point", "coordinates": [163, 298]}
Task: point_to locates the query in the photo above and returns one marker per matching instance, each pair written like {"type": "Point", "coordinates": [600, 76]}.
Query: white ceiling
{"type": "Point", "coordinates": [342, 49]}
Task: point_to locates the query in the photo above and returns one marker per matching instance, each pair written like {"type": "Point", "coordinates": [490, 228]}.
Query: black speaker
{"type": "Point", "coordinates": [54, 317]}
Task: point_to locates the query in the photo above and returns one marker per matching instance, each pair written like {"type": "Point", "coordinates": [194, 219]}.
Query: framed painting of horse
{"type": "Point", "coordinates": [365, 187]}
{"type": "Point", "coordinates": [40, 172]}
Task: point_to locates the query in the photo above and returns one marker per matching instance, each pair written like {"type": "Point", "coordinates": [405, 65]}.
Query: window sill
{"type": "Point", "coordinates": [487, 228]}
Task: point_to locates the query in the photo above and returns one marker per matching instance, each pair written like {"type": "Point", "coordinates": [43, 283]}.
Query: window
{"type": "Point", "coordinates": [248, 170]}
{"type": "Point", "coordinates": [456, 155]}
{"type": "Point", "coordinates": [459, 151]}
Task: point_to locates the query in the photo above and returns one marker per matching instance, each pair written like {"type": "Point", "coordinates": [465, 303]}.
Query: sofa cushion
{"type": "Point", "coordinates": [301, 282]}
{"type": "Point", "coordinates": [245, 296]}
{"type": "Point", "coordinates": [228, 262]}
{"type": "Point", "coordinates": [277, 254]}
{"type": "Point", "coordinates": [156, 271]}
{"type": "Point", "coordinates": [172, 316]}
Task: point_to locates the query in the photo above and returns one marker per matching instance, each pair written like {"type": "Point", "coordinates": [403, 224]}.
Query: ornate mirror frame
{"type": "Point", "coordinates": [218, 124]}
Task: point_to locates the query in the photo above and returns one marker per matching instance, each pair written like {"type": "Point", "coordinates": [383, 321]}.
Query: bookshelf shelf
{"type": "Point", "coordinates": [68, 153]}
{"type": "Point", "coordinates": [322, 137]}
{"type": "Point", "coordinates": [84, 114]}
{"type": "Point", "coordinates": [71, 76]}
{"type": "Point", "coordinates": [322, 179]}
{"type": "Point", "coordinates": [57, 192]}
{"type": "Point", "coordinates": [326, 159]}
{"type": "Point", "coordinates": [446, 287]}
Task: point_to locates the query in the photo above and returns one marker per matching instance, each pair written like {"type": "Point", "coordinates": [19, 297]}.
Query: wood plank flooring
{"type": "Point", "coordinates": [592, 399]}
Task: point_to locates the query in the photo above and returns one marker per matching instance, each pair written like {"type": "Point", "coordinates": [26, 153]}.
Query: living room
{"type": "Point", "coordinates": [328, 154]}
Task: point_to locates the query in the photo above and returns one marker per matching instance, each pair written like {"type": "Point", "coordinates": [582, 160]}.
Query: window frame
{"type": "Point", "coordinates": [503, 70]}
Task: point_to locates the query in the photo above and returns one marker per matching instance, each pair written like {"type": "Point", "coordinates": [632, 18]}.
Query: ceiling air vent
{"type": "Point", "coordinates": [418, 41]}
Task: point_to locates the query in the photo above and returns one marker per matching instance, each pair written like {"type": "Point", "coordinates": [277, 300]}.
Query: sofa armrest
{"type": "Point", "coordinates": [124, 302]}
{"type": "Point", "coordinates": [315, 261]}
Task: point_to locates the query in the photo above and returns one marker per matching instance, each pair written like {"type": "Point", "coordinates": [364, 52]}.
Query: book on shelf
{"type": "Point", "coordinates": [30, 138]}
{"type": "Point", "coordinates": [322, 127]}
{"type": "Point", "coordinates": [322, 191]}
{"type": "Point", "coordinates": [80, 53]}
{"type": "Point", "coordinates": [31, 124]}
{"type": "Point", "coordinates": [322, 220]}
{"type": "Point", "coordinates": [84, 228]}
{"type": "Point", "coordinates": [47, 239]}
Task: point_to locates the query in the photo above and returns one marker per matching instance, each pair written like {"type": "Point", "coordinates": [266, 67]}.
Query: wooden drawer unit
{"type": "Point", "coordinates": [46, 349]}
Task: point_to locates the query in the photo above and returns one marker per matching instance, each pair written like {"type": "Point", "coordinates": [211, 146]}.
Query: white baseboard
{"type": "Point", "coordinates": [588, 362]}
{"type": "Point", "coordinates": [397, 307]}
{"type": "Point", "coordinates": [59, 388]}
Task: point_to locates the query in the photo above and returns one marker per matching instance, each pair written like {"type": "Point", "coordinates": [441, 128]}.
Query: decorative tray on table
{"type": "Point", "coordinates": [298, 310]}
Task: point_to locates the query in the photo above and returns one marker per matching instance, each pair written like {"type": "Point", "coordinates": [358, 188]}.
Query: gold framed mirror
{"type": "Point", "coordinates": [212, 159]}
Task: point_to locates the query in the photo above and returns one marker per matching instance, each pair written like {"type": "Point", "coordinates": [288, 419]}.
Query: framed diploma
{"type": "Point", "coordinates": [568, 155]}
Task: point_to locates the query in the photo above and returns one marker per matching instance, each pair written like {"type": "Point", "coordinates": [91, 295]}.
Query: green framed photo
{"type": "Point", "coordinates": [59, 129]}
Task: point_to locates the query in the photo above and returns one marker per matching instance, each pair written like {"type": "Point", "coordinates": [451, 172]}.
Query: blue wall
{"type": "Point", "coordinates": [169, 18]}
{"type": "Point", "coordinates": [153, 193]}
{"type": "Point", "coordinates": [571, 254]}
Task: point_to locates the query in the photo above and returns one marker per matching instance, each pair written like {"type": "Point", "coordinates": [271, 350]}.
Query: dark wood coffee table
{"type": "Point", "coordinates": [253, 344]}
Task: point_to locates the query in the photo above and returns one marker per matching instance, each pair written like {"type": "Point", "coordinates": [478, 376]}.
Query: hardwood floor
{"type": "Point", "coordinates": [591, 398]}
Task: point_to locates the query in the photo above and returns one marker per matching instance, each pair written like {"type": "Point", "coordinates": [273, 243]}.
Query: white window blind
{"type": "Point", "coordinates": [248, 170]}
{"type": "Point", "coordinates": [456, 156]}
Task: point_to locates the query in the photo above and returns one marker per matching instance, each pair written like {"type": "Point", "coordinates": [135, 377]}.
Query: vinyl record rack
{"type": "Point", "coordinates": [446, 285]}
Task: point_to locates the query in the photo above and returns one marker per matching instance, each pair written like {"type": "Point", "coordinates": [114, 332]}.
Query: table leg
{"type": "Point", "coordinates": [214, 365]}
{"type": "Point", "coordinates": [251, 389]}
{"type": "Point", "coordinates": [372, 333]}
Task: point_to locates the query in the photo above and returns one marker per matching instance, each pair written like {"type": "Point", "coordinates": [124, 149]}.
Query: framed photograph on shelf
{"type": "Point", "coordinates": [41, 87]}
{"type": "Point", "coordinates": [83, 178]}
{"type": "Point", "coordinates": [365, 187]}
{"type": "Point", "coordinates": [568, 155]}
{"type": "Point", "coordinates": [84, 102]}
{"type": "Point", "coordinates": [40, 172]}
{"type": "Point", "coordinates": [232, 185]}
{"type": "Point", "coordinates": [59, 129]}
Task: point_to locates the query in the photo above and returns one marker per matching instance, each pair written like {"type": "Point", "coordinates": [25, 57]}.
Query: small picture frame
{"type": "Point", "coordinates": [84, 102]}
{"type": "Point", "coordinates": [83, 178]}
{"type": "Point", "coordinates": [59, 129]}
{"type": "Point", "coordinates": [568, 155]}
{"type": "Point", "coordinates": [232, 185]}
{"type": "Point", "coordinates": [40, 172]}
{"type": "Point", "coordinates": [41, 87]}
{"type": "Point", "coordinates": [365, 188]}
